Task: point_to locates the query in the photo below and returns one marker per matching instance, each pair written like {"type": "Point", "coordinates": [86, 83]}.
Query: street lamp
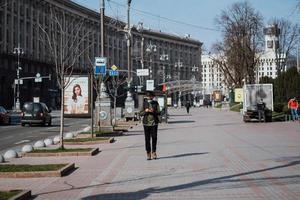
{"type": "Point", "coordinates": [140, 29]}
{"type": "Point", "coordinates": [150, 49]}
{"type": "Point", "coordinates": [18, 51]}
{"type": "Point", "coordinates": [194, 70]}
{"type": "Point", "coordinates": [164, 57]}
{"type": "Point", "coordinates": [178, 65]}
{"type": "Point", "coordinates": [129, 103]}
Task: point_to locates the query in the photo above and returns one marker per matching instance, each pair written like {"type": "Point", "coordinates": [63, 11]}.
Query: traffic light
{"type": "Point", "coordinates": [164, 88]}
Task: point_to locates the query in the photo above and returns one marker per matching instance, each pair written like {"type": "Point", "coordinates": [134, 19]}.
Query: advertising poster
{"type": "Point", "coordinates": [238, 95]}
{"type": "Point", "coordinates": [76, 96]}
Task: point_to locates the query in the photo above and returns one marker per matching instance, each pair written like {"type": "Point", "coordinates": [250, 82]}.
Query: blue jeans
{"type": "Point", "coordinates": [294, 113]}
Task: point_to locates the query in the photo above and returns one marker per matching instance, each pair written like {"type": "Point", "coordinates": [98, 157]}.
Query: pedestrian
{"type": "Point", "coordinates": [187, 105]}
{"type": "Point", "coordinates": [261, 107]}
{"type": "Point", "coordinates": [293, 105]}
{"type": "Point", "coordinates": [151, 118]}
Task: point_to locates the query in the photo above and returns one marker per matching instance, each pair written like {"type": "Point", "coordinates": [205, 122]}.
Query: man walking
{"type": "Point", "coordinates": [261, 107]}
{"type": "Point", "coordinates": [151, 116]}
{"type": "Point", "coordinates": [188, 105]}
{"type": "Point", "coordinates": [293, 105]}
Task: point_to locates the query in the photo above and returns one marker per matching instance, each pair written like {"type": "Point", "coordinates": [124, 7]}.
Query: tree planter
{"type": "Point", "coordinates": [36, 174]}
{"type": "Point", "coordinates": [49, 153]}
{"type": "Point", "coordinates": [89, 141]}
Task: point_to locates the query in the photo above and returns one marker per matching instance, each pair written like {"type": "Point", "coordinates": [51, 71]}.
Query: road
{"type": "Point", "coordinates": [16, 136]}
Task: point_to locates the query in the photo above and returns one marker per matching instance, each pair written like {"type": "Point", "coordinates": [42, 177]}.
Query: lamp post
{"type": "Point", "coordinates": [178, 66]}
{"type": "Point", "coordinates": [298, 67]}
{"type": "Point", "coordinates": [129, 43]}
{"type": "Point", "coordinates": [194, 70]}
{"type": "Point", "coordinates": [164, 57]}
{"type": "Point", "coordinates": [18, 51]}
{"type": "Point", "coordinates": [129, 103]}
{"type": "Point", "coordinates": [140, 29]}
{"type": "Point", "coordinates": [150, 49]}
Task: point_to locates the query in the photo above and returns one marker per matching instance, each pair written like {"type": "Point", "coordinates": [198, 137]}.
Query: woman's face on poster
{"type": "Point", "coordinates": [77, 91]}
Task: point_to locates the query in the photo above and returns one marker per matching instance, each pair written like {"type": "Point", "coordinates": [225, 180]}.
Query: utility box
{"type": "Point", "coordinates": [252, 94]}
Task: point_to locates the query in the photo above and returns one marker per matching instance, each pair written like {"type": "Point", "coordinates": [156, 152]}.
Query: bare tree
{"type": "Point", "coordinates": [288, 39]}
{"type": "Point", "coordinates": [114, 85]}
{"type": "Point", "coordinates": [66, 43]}
{"type": "Point", "coordinates": [241, 27]}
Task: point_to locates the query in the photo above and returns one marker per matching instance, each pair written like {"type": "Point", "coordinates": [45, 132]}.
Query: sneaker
{"type": "Point", "coordinates": [154, 156]}
{"type": "Point", "coordinates": [148, 156]}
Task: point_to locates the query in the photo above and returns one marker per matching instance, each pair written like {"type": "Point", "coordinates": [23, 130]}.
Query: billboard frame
{"type": "Point", "coordinates": [86, 90]}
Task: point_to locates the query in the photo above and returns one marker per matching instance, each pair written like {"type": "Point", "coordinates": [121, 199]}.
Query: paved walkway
{"type": "Point", "coordinates": [210, 154]}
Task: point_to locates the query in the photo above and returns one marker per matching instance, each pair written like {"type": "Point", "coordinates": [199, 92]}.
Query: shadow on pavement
{"type": "Point", "coordinates": [181, 122]}
{"type": "Point", "coordinates": [142, 194]}
{"type": "Point", "coordinates": [178, 115]}
{"type": "Point", "coordinates": [182, 155]}
{"type": "Point", "coordinates": [229, 124]}
{"type": "Point", "coordinates": [212, 183]}
{"type": "Point", "coordinates": [287, 159]}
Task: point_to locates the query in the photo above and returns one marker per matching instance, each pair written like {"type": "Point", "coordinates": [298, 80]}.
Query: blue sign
{"type": "Point", "coordinates": [100, 70]}
{"type": "Point", "coordinates": [113, 73]}
{"type": "Point", "coordinates": [100, 65]}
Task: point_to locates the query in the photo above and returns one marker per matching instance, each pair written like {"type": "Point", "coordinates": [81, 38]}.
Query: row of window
{"type": "Point", "coordinates": [267, 68]}
{"type": "Point", "coordinates": [215, 79]}
{"type": "Point", "coordinates": [115, 46]}
{"type": "Point", "coordinates": [266, 74]}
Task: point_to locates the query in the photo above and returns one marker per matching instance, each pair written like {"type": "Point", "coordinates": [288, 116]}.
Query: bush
{"type": "Point", "coordinates": [278, 107]}
{"type": "Point", "coordinates": [285, 109]}
{"type": "Point", "coordinates": [218, 105]}
{"type": "Point", "coordinates": [236, 107]}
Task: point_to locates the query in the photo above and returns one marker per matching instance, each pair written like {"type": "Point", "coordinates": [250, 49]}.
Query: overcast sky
{"type": "Point", "coordinates": [194, 17]}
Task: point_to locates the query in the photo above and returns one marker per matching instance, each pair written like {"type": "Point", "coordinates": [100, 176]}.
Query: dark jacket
{"type": "Point", "coordinates": [150, 118]}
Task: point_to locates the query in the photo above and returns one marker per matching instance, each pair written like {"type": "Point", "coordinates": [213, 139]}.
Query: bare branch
{"type": "Point", "coordinates": [240, 25]}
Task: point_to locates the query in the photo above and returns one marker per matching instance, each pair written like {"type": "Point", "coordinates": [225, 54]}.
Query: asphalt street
{"type": "Point", "coordinates": [15, 136]}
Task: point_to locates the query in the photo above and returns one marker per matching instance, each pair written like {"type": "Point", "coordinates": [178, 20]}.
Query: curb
{"type": "Point", "coordinates": [24, 195]}
{"type": "Point", "coordinates": [108, 140]}
{"type": "Point", "coordinates": [88, 153]}
{"type": "Point", "coordinates": [58, 173]}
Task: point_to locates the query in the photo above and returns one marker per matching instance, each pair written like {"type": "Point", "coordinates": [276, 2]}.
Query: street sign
{"type": "Point", "coordinates": [16, 81]}
{"type": "Point", "coordinates": [114, 67]}
{"type": "Point", "coordinates": [38, 79]}
{"type": "Point", "coordinates": [142, 72]}
{"type": "Point", "coordinates": [113, 73]}
{"type": "Point", "coordinates": [100, 65]}
{"type": "Point", "coordinates": [139, 88]}
{"type": "Point", "coordinates": [150, 85]}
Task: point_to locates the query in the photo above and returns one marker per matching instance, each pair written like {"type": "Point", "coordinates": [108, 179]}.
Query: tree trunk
{"type": "Point", "coordinates": [115, 111]}
{"type": "Point", "coordinates": [62, 118]}
{"type": "Point", "coordinates": [92, 105]}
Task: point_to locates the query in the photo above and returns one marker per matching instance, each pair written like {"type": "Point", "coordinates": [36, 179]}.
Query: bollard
{"type": "Point", "coordinates": [27, 148]}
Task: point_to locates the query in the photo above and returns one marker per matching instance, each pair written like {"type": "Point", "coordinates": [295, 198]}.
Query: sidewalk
{"type": "Point", "coordinates": [210, 154]}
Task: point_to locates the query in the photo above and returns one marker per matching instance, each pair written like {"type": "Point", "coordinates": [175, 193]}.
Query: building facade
{"type": "Point", "coordinates": [212, 76]}
{"type": "Point", "coordinates": [268, 59]}
{"type": "Point", "coordinates": [22, 26]}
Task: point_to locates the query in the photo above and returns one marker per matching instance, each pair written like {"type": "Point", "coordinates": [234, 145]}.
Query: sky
{"type": "Point", "coordinates": [193, 17]}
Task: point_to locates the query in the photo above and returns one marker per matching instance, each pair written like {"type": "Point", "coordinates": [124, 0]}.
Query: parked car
{"type": "Point", "coordinates": [36, 113]}
{"type": "Point", "coordinates": [4, 116]}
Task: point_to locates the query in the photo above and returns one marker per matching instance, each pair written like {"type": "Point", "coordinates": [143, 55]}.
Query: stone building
{"type": "Point", "coordinates": [20, 26]}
